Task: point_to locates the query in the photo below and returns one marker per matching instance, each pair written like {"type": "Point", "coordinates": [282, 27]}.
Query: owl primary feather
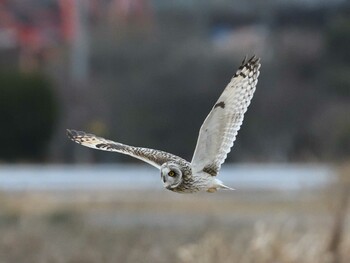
{"type": "Point", "coordinates": [216, 137]}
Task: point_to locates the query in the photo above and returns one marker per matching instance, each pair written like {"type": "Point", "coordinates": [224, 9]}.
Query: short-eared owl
{"type": "Point", "coordinates": [216, 137]}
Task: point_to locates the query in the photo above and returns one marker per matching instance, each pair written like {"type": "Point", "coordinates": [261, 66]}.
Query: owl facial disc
{"type": "Point", "coordinates": [171, 175]}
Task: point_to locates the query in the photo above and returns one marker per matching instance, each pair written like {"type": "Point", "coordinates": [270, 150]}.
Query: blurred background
{"type": "Point", "coordinates": [146, 73]}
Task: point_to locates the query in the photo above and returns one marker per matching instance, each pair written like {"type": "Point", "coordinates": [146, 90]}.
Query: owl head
{"type": "Point", "coordinates": [171, 175]}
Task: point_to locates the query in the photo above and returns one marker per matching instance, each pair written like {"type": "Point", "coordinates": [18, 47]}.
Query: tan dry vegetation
{"type": "Point", "coordinates": [141, 226]}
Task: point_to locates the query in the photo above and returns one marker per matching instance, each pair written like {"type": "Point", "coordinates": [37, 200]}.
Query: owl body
{"type": "Point", "coordinates": [189, 182]}
{"type": "Point", "coordinates": [216, 137]}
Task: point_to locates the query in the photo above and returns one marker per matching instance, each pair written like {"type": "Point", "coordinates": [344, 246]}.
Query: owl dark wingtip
{"type": "Point", "coordinates": [254, 60]}
{"type": "Point", "coordinates": [252, 64]}
{"type": "Point", "coordinates": [245, 59]}
{"type": "Point", "coordinates": [71, 133]}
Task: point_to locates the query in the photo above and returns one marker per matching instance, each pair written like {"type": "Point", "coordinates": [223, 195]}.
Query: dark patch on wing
{"type": "Point", "coordinates": [211, 169]}
{"type": "Point", "coordinates": [242, 74]}
{"type": "Point", "coordinates": [108, 146]}
{"type": "Point", "coordinates": [220, 104]}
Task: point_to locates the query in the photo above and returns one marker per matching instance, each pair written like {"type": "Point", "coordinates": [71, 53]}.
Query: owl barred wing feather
{"type": "Point", "coordinates": [220, 128]}
{"type": "Point", "coordinates": [151, 156]}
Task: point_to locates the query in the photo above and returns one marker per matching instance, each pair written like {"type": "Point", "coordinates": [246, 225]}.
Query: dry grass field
{"type": "Point", "coordinates": [142, 226]}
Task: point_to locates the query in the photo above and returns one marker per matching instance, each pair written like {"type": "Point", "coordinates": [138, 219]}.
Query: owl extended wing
{"type": "Point", "coordinates": [219, 130]}
{"type": "Point", "coordinates": [151, 156]}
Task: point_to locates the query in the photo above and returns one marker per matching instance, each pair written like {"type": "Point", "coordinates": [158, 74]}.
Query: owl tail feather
{"type": "Point", "coordinates": [214, 189]}
{"type": "Point", "coordinates": [222, 186]}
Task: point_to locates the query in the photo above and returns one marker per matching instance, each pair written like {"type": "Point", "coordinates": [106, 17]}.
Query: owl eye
{"type": "Point", "coordinates": [171, 173]}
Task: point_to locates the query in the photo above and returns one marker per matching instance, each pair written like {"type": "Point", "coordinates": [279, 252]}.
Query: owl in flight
{"type": "Point", "coordinates": [216, 137]}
